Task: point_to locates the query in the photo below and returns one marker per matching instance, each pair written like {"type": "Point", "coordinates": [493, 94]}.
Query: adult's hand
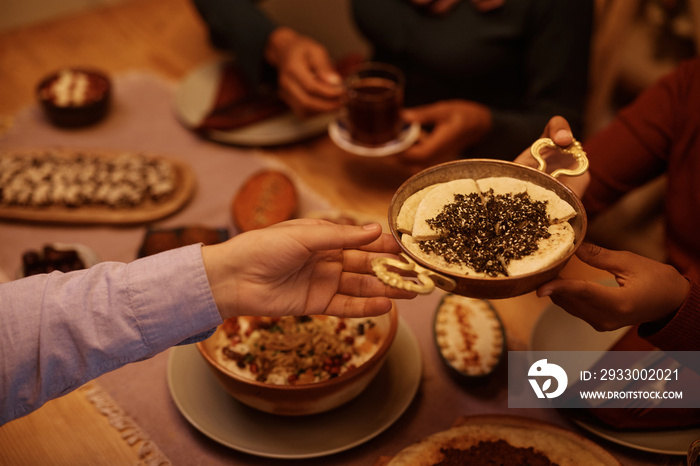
{"type": "Point", "coordinates": [559, 131]}
{"type": "Point", "coordinates": [456, 124]}
{"type": "Point", "coordinates": [307, 79]}
{"type": "Point", "coordinates": [301, 267]}
{"type": "Point", "coordinates": [649, 291]}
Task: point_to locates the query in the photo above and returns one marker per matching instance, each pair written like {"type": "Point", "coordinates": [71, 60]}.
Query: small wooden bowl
{"type": "Point", "coordinates": [72, 113]}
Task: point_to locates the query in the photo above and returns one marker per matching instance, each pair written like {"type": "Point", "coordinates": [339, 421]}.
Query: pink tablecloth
{"type": "Point", "coordinates": [142, 120]}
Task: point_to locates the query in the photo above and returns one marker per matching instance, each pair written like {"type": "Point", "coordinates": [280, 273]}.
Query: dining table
{"type": "Point", "coordinates": [142, 413]}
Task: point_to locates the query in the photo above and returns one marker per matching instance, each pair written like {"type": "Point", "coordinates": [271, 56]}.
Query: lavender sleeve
{"type": "Point", "coordinates": [58, 331]}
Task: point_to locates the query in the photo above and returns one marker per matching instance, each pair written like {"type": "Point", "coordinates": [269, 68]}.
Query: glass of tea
{"type": "Point", "coordinates": [372, 104]}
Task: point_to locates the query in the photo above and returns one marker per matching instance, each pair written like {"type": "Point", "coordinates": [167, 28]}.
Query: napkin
{"type": "Point", "coordinates": [661, 417]}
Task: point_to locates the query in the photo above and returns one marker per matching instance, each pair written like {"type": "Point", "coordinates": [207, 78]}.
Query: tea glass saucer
{"type": "Point", "coordinates": [341, 137]}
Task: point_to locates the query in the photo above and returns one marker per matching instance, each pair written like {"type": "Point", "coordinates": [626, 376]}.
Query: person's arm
{"type": "Point", "coordinates": [302, 267]}
{"type": "Point", "coordinates": [634, 149]}
{"type": "Point", "coordinates": [306, 77]}
{"type": "Point", "coordinates": [239, 26]}
{"type": "Point", "coordinates": [649, 293]}
{"type": "Point", "coordinates": [680, 331]}
{"type": "Point", "coordinates": [59, 330]}
{"type": "Point", "coordinates": [269, 53]}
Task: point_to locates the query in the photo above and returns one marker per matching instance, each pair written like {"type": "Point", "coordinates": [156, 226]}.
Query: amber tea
{"type": "Point", "coordinates": [374, 98]}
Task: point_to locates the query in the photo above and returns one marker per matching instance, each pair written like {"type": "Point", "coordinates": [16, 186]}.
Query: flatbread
{"type": "Point", "coordinates": [434, 202]}
{"type": "Point", "coordinates": [558, 209]}
{"type": "Point", "coordinates": [549, 251]}
{"type": "Point", "coordinates": [429, 202]}
{"type": "Point", "coordinates": [413, 246]}
{"type": "Point", "coordinates": [406, 217]}
{"type": "Point", "coordinates": [502, 185]}
{"type": "Point", "coordinates": [557, 445]}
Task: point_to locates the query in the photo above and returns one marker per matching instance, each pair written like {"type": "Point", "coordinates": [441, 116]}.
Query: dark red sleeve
{"type": "Point", "coordinates": [634, 148]}
{"type": "Point", "coordinates": [681, 333]}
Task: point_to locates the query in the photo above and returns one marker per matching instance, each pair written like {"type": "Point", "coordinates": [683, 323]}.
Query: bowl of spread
{"type": "Point", "coordinates": [484, 228]}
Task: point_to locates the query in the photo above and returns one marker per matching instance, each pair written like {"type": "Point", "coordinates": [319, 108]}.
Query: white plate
{"type": "Point", "coordinates": [210, 409]}
{"type": "Point", "coordinates": [194, 99]}
{"type": "Point", "coordinates": [556, 330]}
{"type": "Point", "coordinates": [340, 136]}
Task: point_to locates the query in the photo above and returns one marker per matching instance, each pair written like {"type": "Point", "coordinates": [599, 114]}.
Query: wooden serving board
{"type": "Point", "coordinates": [147, 211]}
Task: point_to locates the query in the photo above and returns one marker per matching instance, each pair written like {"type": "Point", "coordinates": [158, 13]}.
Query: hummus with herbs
{"type": "Point", "coordinates": [294, 350]}
{"type": "Point", "coordinates": [490, 227]}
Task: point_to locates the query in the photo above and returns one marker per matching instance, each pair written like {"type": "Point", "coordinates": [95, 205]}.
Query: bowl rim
{"type": "Point", "coordinates": [377, 357]}
{"type": "Point", "coordinates": [445, 166]}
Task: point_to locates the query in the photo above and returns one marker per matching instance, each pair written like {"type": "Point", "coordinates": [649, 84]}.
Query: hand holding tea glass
{"type": "Point", "coordinates": [307, 79]}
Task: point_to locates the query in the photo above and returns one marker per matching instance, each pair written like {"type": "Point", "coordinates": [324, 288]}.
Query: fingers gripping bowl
{"type": "Point", "coordinates": [431, 273]}
{"type": "Point", "coordinates": [304, 397]}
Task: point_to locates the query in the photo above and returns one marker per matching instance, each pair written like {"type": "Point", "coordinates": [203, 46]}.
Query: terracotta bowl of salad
{"type": "Point", "coordinates": [295, 366]}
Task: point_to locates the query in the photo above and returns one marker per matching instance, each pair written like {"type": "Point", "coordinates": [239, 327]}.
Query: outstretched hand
{"type": "Point", "coordinates": [307, 79]}
{"type": "Point", "coordinates": [301, 267]}
{"type": "Point", "coordinates": [649, 291]}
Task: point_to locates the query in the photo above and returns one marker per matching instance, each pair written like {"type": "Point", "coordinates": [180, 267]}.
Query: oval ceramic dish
{"type": "Point", "coordinates": [469, 336]}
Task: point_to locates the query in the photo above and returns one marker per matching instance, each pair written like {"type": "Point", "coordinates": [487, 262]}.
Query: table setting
{"type": "Point", "coordinates": [171, 408]}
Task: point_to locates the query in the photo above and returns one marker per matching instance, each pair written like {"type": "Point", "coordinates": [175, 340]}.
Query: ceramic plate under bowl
{"type": "Point", "coordinates": [215, 413]}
